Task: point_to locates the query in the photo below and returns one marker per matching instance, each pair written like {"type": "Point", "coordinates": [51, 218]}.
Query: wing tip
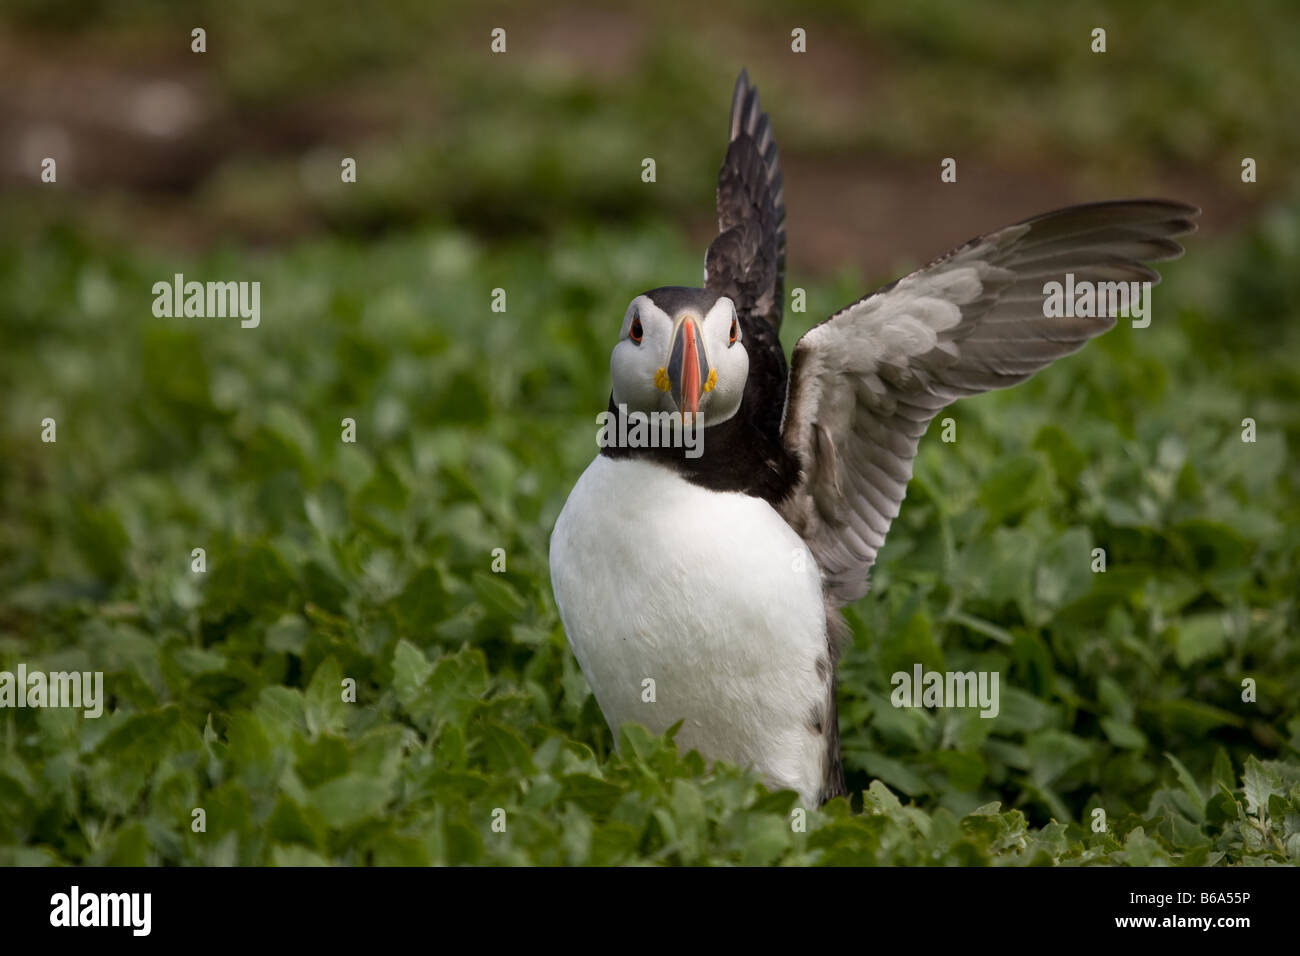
{"type": "Point", "coordinates": [1151, 206]}
{"type": "Point", "coordinates": [739, 98]}
{"type": "Point", "coordinates": [1184, 213]}
{"type": "Point", "coordinates": [747, 114]}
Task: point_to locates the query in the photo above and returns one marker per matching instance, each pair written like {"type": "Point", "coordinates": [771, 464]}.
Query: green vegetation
{"type": "Point", "coordinates": [372, 561]}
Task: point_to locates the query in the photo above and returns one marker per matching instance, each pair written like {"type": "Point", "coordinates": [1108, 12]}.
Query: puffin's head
{"type": "Point", "coordinates": [680, 349]}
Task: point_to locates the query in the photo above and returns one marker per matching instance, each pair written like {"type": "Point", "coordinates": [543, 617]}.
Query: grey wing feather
{"type": "Point", "coordinates": [747, 259]}
{"type": "Point", "coordinates": [865, 383]}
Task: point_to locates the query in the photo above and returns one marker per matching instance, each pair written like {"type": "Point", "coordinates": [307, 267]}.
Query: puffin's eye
{"type": "Point", "coordinates": [634, 333]}
{"type": "Point", "coordinates": [735, 330]}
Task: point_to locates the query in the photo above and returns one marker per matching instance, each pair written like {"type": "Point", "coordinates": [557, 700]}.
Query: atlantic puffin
{"type": "Point", "coordinates": [707, 589]}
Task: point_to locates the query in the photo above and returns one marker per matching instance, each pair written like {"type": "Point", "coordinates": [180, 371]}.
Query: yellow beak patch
{"type": "Point", "coordinates": [662, 383]}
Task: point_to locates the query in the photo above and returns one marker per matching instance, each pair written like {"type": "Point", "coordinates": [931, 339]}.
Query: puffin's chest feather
{"type": "Point", "coordinates": [683, 603]}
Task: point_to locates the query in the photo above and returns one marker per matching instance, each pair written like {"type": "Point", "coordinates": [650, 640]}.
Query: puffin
{"type": "Point", "coordinates": [701, 586]}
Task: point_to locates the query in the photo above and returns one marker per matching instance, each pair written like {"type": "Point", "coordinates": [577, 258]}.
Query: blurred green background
{"type": "Point", "coordinates": [521, 171]}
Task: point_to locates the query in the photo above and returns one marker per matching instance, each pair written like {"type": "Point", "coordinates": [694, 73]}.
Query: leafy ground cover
{"type": "Point", "coordinates": [372, 561]}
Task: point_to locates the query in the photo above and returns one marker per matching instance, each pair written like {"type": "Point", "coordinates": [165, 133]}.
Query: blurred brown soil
{"type": "Point", "coordinates": [152, 129]}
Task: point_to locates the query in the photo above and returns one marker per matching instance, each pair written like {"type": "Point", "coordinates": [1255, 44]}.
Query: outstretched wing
{"type": "Point", "coordinates": [747, 259]}
{"type": "Point", "coordinates": [866, 382]}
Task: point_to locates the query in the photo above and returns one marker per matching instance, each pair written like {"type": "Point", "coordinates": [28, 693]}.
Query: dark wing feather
{"type": "Point", "coordinates": [866, 383]}
{"type": "Point", "coordinates": [746, 261]}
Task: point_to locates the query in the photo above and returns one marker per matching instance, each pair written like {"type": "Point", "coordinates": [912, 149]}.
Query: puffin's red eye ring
{"type": "Point", "coordinates": [634, 333]}
{"type": "Point", "coordinates": [735, 330]}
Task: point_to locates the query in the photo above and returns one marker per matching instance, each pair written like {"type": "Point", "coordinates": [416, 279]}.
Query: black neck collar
{"type": "Point", "coordinates": [736, 456]}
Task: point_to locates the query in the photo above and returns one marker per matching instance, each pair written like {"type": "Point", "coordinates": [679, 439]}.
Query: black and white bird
{"type": "Point", "coordinates": [720, 577]}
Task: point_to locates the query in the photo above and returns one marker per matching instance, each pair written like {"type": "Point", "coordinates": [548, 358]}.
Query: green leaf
{"type": "Point", "coordinates": [895, 773]}
{"type": "Point", "coordinates": [1123, 734]}
{"type": "Point", "coordinates": [1141, 850]}
{"type": "Point", "coordinates": [878, 798]}
{"type": "Point", "coordinates": [1188, 784]}
{"type": "Point", "coordinates": [325, 709]}
{"type": "Point", "coordinates": [349, 799]}
{"type": "Point", "coordinates": [289, 824]}
{"type": "Point", "coordinates": [1064, 569]}
{"type": "Point", "coordinates": [1258, 784]}
{"type": "Point", "coordinates": [766, 837]}
{"type": "Point", "coordinates": [321, 759]}
{"type": "Point", "coordinates": [1054, 753]}
{"type": "Point", "coordinates": [1223, 773]}
{"type": "Point", "coordinates": [1277, 808]}
{"type": "Point", "coordinates": [1012, 486]}
{"type": "Point", "coordinates": [1199, 638]}
{"type": "Point", "coordinates": [1192, 717]}
{"type": "Point", "coordinates": [591, 793]}
{"type": "Point", "coordinates": [505, 751]}
{"type": "Point", "coordinates": [497, 595]}
{"type": "Point", "coordinates": [411, 673]}
{"type": "Point", "coordinates": [457, 684]}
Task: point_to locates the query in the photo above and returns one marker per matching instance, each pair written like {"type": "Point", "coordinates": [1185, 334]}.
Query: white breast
{"type": "Point", "coordinates": [710, 595]}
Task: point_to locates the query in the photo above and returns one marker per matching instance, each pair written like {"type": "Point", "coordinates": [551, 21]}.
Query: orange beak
{"type": "Point", "coordinates": [687, 367]}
